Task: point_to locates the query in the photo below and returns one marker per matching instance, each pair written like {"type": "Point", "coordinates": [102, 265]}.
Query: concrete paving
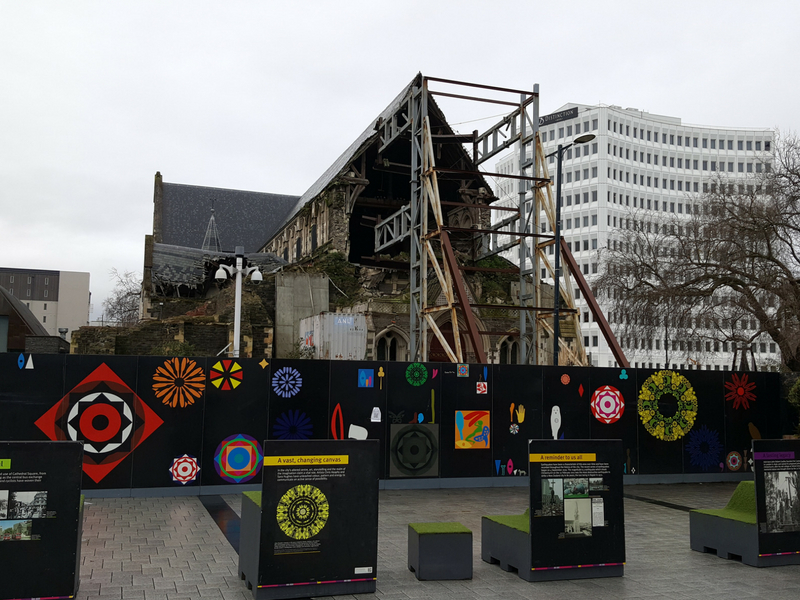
{"type": "Point", "coordinates": [170, 548]}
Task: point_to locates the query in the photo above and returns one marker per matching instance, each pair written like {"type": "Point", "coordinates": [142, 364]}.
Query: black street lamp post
{"type": "Point", "coordinates": [557, 236]}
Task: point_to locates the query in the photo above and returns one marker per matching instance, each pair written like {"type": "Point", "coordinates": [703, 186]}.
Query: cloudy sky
{"type": "Point", "coordinates": [95, 97]}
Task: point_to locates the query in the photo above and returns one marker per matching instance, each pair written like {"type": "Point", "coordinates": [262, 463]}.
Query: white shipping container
{"type": "Point", "coordinates": [335, 336]}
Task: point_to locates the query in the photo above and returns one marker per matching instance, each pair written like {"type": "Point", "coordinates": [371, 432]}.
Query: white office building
{"type": "Point", "coordinates": [638, 161]}
{"type": "Point", "coordinates": [58, 299]}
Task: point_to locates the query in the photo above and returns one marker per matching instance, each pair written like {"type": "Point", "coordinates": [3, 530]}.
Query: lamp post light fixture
{"type": "Point", "coordinates": [557, 236]}
{"type": "Point", "coordinates": [238, 270]}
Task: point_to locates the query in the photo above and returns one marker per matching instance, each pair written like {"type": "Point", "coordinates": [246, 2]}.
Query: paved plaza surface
{"type": "Point", "coordinates": [171, 548]}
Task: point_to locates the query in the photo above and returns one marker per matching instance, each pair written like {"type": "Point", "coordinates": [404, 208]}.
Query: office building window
{"type": "Point", "coordinates": [44, 319]}
{"type": "Point", "coordinates": [749, 145]}
{"type": "Point", "coordinates": [45, 295]}
{"type": "Point", "coordinates": [594, 124]}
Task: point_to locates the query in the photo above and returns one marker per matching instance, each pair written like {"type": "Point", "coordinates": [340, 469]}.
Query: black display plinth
{"type": "Point", "coordinates": [761, 523]}
{"type": "Point", "coordinates": [41, 515]}
{"type": "Point", "coordinates": [575, 526]}
{"type": "Point", "coordinates": [314, 529]}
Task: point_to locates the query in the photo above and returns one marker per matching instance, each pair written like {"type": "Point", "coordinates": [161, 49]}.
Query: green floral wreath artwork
{"type": "Point", "coordinates": [657, 385]}
{"type": "Point", "coordinates": [416, 374]}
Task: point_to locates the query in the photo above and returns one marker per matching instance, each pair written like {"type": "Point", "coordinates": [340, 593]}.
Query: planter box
{"type": "Point", "coordinates": [439, 551]}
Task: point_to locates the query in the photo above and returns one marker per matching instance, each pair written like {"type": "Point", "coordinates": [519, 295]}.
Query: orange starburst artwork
{"type": "Point", "coordinates": [740, 391]}
{"type": "Point", "coordinates": [179, 382]}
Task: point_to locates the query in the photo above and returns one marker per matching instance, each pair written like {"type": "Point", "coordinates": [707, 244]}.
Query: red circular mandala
{"type": "Point", "coordinates": [607, 404]}
{"type": "Point", "coordinates": [184, 469]}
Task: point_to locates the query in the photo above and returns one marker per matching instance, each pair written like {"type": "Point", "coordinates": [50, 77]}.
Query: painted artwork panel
{"type": "Point", "coordinates": [356, 409]}
{"type": "Point", "coordinates": [614, 416]}
{"type": "Point", "coordinates": [656, 456]}
{"type": "Point", "coordinates": [750, 413]}
{"type": "Point", "coordinates": [234, 414]}
{"type": "Point", "coordinates": [566, 396]}
{"type": "Point", "coordinates": [174, 388]}
{"type": "Point", "coordinates": [102, 409]}
{"type": "Point", "coordinates": [704, 444]}
{"type": "Point", "coordinates": [28, 393]}
{"type": "Point", "coordinates": [516, 417]}
{"type": "Point", "coordinates": [467, 421]}
{"type": "Point", "coordinates": [299, 400]}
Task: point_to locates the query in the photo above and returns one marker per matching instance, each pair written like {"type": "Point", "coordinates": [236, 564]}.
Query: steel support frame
{"type": "Point", "coordinates": [534, 198]}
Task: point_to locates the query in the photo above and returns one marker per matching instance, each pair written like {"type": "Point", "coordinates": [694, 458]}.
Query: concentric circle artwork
{"type": "Point", "coordinates": [286, 382]}
{"type": "Point", "coordinates": [734, 461]}
{"type": "Point", "coordinates": [302, 512]}
{"type": "Point", "coordinates": [238, 458]}
{"type": "Point", "coordinates": [226, 374]}
{"type": "Point", "coordinates": [103, 420]}
{"type": "Point", "coordinates": [179, 382]}
{"type": "Point", "coordinates": [184, 469]}
{"type": "Point", "coordinates": [607, 404]}
{"type": "Point", "coordinates": [416, 374]}
{"type": "Point", "coordinates": [667, 427]}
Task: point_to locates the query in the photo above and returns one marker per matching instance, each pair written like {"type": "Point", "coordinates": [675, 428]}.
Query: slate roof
{"type": "Point", "coordinates": [243, 218]}
{"type": "Point", "coordinates": [33, 324]}
{"type": "Point", "coordinates": [178, 265]}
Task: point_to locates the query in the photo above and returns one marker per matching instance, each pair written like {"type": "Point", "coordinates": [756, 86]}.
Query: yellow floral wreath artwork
{"type": "Point", "coordinates": [656, 386]}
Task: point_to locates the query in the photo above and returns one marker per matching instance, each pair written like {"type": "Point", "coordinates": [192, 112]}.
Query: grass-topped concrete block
{"type": "Point", "coordinates": [733, 531]}
{"type": "Point", "coordinates": [440, 551]}
{"type": "Point", "coordinates": [250, 539]}
{"type": "Point", "coordinates": [505, 539]}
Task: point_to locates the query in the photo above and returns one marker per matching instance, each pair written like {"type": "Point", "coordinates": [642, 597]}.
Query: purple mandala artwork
{"type": "Point", "coordinates": [704, 448]}
{"type": "Point", "coordinates": [292, 425]}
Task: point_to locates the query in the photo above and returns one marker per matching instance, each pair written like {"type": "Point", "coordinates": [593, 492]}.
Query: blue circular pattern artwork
{"type": "Point", "coordinates": [287, 382]}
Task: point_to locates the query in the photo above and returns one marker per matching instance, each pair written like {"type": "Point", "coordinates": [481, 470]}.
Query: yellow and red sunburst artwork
{"type": "Point", "coordinates": [179, 382]}
{"type": "Point", "coordinates": [740, 391]}
{"type": "Point", "coordinates": [226, 375]}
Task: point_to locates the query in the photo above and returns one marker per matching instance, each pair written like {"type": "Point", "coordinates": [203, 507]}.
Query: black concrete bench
{"type": "Point", "coordinates": [440, 551]}
{"type": "Point", "coordinates": [505, 540]}
{"type": "Point", "coordinates": [733, 531]}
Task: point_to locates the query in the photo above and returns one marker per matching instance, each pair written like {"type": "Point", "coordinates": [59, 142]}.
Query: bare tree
{"type": "Point", "coordinates": [727, 272]}
{"type": "Point", "coordinates": [122, 305]}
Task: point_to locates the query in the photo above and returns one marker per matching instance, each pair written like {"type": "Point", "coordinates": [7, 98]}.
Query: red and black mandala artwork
{"type": "Point", "coordinates": [106, 415]}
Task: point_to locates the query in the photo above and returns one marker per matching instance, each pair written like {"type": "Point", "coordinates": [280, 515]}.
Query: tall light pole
{"type": "Point", "coordinates": [557, 235]}
{"type": "Point", "coordinates": [238, 270]}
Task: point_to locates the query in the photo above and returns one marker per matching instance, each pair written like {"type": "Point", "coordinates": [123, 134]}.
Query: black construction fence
{"type": "Point", "coordinates": [164, 422]}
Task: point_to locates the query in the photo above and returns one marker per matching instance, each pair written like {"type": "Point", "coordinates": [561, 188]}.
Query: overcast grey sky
{"type": "Point", "coordinates": [95, 97]}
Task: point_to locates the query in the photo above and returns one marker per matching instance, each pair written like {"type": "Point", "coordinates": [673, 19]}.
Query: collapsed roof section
{"type": "Point", "coordinates": [188, 272]}
{"type": "Point", "coordinates": [375, 174]}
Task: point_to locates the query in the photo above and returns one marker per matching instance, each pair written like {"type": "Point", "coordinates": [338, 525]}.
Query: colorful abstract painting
{"type": "Point", "coordinates": [226, 375]}
{"type": "Point", "coordinates": [238, 458]}
{"type": "Point", "coordinates": [472, 429]}
{"type": "Point", "coordinates": [366, 378]}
